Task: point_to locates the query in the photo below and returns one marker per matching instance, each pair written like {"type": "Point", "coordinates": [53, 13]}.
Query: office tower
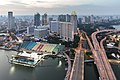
{"type": "Point", "coordinates": [11, 21]}
{"type": "Point", "coordinates": [74, 21]}
{"type": "Point", "coordinates": [91, 19]}
{"type": "Point", "coordinates": [30, 30]}
{"type": "Point", "coordinates": [68, 18]}
{"type": "Point", "coordinates": [79, 21]}
{"type": "Point", "coordinates": [50, 19]}
{"type": "Point", "coordinates": [66, 31]}
{"type": "Point", "coordinates": [62, 18]}
{"type": "Point", "coordinates": [44, 19]}
{"type": "Point", "coordinates": [85, 20]}
{"type": "Point", "coordinates": [54, 27]}
{"type": "Point", "coordinates": [37, 19]}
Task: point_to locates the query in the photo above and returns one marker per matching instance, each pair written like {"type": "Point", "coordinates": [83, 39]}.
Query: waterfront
{"type": "Point", "coordinates": [50, 69]}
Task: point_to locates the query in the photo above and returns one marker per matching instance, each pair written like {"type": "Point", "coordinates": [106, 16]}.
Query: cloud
{"type": "Point", "coordinates": [46, 3]}
{"type": "Point", "coordinates": [59, 6]}
{"type": "Point", "coordinates": [42, 1]}
{"type": "Point", "coordinates": [18, 3]}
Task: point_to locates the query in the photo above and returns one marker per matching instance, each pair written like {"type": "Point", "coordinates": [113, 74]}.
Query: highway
{"type": "Point", "coordinates": [109, 75]}
{"type": "Point", "coordinates": [100, 58]}
{"type": "Point", "coordinates": [69, 67]}
{"type": "Point", "coordinates": [77, 72]}
{"type": "Point", "coordinates": [105, 59]}
{"type": "Point", "coordinates": [98, 62]}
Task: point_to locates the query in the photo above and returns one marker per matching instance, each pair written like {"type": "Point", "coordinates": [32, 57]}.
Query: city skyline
{"type": "Point", "coordinates": [83, 7]}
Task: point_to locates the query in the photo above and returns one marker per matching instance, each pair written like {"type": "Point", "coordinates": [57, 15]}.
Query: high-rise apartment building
{"type": "Point", "coordinates": [37, 19]}
{"type": "Point", "coordinates": [74, 21]}
{"type": "Point", "coordinates": [88, 19]}
{"type": "Point", "coordinates": [44, 19]}
{"type": "Point", "coordinates": [85, 20]}
{"type": "Point", "coordinates": [66, 31]}
{"type": "Point", "coordinates": [91, 19]}
{"type": "Point", "coordinates": [79, 21]}
{"type": "Point", "coordinates": [62, 18]}
{"type": "Point", "coordinates": [11, 21]}
{"type": "Point", "coordinates": [30, 30]}
{"type": "Point", "coordinates": [54, 27]}
{"type": "Point", "coordinates": [49, 20]}
{"type": "Point", "coordinates": [68, 18]}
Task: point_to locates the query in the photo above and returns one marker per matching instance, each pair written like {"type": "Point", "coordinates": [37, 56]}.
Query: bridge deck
{"type": "Point", "coordinates": [104, 68]}
{"type": "Point", "coordinates": [77, 72]}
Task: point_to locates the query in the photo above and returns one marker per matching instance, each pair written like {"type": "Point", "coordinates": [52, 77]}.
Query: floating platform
{"type": "Point", "coordinates": [27, 59]}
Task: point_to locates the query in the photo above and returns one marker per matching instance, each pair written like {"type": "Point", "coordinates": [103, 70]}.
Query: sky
{"type": "Point", "coordinates": [82, 7]}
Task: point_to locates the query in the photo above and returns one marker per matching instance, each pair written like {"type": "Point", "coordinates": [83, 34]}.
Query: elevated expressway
{"type": "Point", "coordinates": [100, 58]}
{"type": "Point", "coordinates": [77, 72]}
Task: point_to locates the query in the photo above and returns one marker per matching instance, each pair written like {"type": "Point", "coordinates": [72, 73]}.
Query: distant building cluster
{"type": "Point", "coordinates": [41, 26]}
{"type": "Point", "coordinates": [96, 19]}
{"type": "Point", "coordinates": [65, 26]}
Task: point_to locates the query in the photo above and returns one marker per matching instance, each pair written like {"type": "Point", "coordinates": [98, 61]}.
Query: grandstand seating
{"type": "Point", "coordinates": [42, 47]}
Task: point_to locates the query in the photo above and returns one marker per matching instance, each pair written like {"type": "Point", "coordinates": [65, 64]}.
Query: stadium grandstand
{"type": "Point", "coordinates": [42, 47]}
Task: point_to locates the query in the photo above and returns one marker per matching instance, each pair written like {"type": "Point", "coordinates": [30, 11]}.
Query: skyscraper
{"type": "Point", "coordinates": [74, 21]}
{"type": "Point", "coordinates": [44, 19]}
{"type": "Point", "coordinates": [37, 19]}
{"type": "Point", "coordinates": [66, 31]}
{"type": "Point", "coordinates": [11, 21]}
{"type": "Point", "coordinates": [68, 18]}
{"type": "Point", "coordinates": [80, 21]}
{"type": "Point", "coordinates": [50, 19]}
{"type": "Point", "coordinates": [54, 27]}
{"type": "Point", "coordinates": [91, 19]}
{"type": "Point", "coordinates": [62, 18]}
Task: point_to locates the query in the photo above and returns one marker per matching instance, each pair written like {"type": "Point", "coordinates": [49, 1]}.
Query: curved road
{"type": "Point", "coordinates": [103, 66]}
{"type": "Point", "coordinates": [110, 72]}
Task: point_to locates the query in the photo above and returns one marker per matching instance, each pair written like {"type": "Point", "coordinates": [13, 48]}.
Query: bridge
{"type": "Point", "coordinates": [77, 72]}
{"type": "Point", "coordinates": [100, 58]}
{"type": "Point", "coordinates": [105, 59]}
{"type": "Point", "coordinates": [69, 67]}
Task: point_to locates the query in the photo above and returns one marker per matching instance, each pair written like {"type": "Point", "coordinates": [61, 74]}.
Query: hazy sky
{"type": "Point", "coordinates": [82, 7]}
